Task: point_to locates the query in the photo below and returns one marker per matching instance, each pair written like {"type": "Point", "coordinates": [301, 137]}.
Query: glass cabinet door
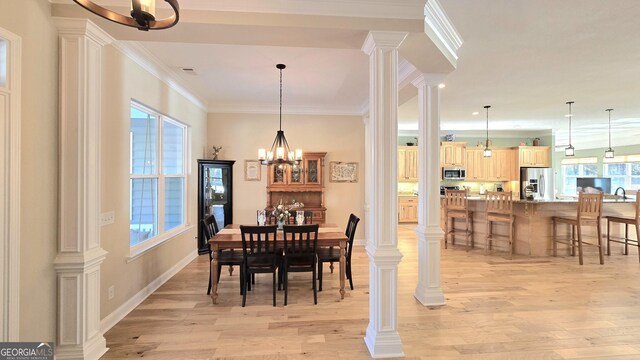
{"type": "Point", "coordinates": [297, 175]}
{"type": "Point", "coordinates": [215, 195]}
{"type": "Point", "coordinates": [278, 174]}
{"type": "Point", "coordinates": [313, 171]}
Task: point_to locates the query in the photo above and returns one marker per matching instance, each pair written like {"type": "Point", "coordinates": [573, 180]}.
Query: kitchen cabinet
{"type": "Point", "coordinates": [498, 167]}
{"type": "Point", "coordinates": [475, 164]}
{"type": "Point", "coordinates": [452, 154]}
{"type": "Point", "coordinates": [407, 209]}
{"type": "Point", "coordinates": [215, 195]}
{"type": "Point", "coordinates": [534, 156]}
{"type": "Point", "coordinates": [408, 163]}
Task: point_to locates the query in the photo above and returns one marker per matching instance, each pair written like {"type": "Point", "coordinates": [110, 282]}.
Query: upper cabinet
{"type": "Point", "coordinates": [452, 154]}
{"type": "Point", "coordinates": [475, 164]}
{"type": "Point", "coordinates": [408, 163]}
{"type": "Point", "coordinates": [534, 156]}
{"type": "Point", "coordinates": [308, 173]}
{"type": "Point", "coordinates": [499, 167]}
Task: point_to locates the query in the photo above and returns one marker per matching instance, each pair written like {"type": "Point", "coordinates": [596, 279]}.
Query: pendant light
{"type": "Point", "coordinates": [487, 151]}
{"type": "Point", "coordinates": [280, 154]}
{"type": "Point", "coordinates": [608, 154]}
{"type": "Point", "coordinates": [569, 150]}
{"type": "Point", "coordinates": [143, 14]}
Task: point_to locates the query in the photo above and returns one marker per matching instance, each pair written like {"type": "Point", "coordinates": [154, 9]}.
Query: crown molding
{"type": "Point", "coordinates": [440, 29]}
{"type": "Point", "coordinates": [383, 39]}
{"type": "Point", "coordinates": [82, 27]}
{"type": "Point", "coordinates": [143, 57]}
{"type": "Point", "coordinates": [290, 110]}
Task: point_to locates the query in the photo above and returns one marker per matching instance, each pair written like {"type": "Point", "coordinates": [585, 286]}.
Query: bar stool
{"type": "Point", "coordinates": [589, 211]}
{"type": "Point", "coordinates": [626, 221]}
{"type": "Point", "coordinates": [456, 206]}
{"type": "Point", "coordinates": [499, 209]}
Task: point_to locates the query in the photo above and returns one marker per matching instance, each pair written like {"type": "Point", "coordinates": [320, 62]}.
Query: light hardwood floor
{"type": "Point", "coordinates": [526, 308]}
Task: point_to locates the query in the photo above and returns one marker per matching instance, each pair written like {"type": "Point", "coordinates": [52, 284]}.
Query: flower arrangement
{"type": "Point", "coordinates": [281, 213]}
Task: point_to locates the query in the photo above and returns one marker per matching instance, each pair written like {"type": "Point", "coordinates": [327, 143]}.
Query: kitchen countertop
{"type": "Point", "coordinates": [407, 195]}
{"type": "Point", "coordinates": [568, 200]}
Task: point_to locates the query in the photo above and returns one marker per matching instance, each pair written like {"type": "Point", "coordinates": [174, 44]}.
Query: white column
{"type": "Point", "coordinates": [79, 253]}
{"type": "Point", "coordinates": [382, 336]}
{"type": "Point", "coordinates": [368, 176]}
{"type": "Point", "coordinates": [429, 289]}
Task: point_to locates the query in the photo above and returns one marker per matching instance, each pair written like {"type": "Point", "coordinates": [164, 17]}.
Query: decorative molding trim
{"type": "Point", "coordinates": [118, 314]}
{"type": "Point", "coordinates": [10, 252]}
{"type": "Point", "coordinates": [83, 27]}
{"type": "Point", "coordinates": [383, 39]}
{"type": "Point", "coordinates": [440, 29]}
{"type": "Point", "coordinates": [145, 59]}
{"type": "Point", "coordinates": [291, 110]}
{"type": "Point", "coordinates": [428, 80]}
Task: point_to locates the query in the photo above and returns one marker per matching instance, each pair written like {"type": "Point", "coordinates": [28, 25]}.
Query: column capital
{"type": "Point", "coordinates": [83, 27]}
{"type": "Point", "coordinates": [431, 79]}
{"type": "Point", "coordinates": [383, 39]}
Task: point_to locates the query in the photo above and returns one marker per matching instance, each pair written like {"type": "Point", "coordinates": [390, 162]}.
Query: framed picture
{"type": "Point", "coordinates": [343, 171]}
{"type": "Point", "coordinates": [252, 170]}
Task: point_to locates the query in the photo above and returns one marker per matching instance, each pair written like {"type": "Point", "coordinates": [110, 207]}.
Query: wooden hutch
{"type": "Point", "coordinates": [301, 183]}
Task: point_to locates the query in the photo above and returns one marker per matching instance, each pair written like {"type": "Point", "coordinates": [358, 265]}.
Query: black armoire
{"type": "Point", "coordinates": [215, 195]}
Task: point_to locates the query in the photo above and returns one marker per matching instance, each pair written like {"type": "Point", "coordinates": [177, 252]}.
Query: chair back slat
{"type": "Point", "coordinates": [590, 206]}
{"type": "Point", "coordinates": [456, 199]}
{"type": "Point", "coordinates": [350, 232]}
{"type": "Point", "coordinates": [210, 226]}
{"type": "Point", "coordinates": [258, 240]}
{"type": "Point", "coordinates": [638, 209]}
{"type": "Point", "coordinates": [499, 202]}
{"type": "Point", "coordinates": [300, 239]}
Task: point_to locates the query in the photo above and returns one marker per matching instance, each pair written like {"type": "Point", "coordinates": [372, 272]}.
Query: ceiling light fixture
{"type": "Point", "coordinates": [442, 86]}
{"type": "Point", "coordinates": [487, 151]}
{"type": "Point", "coordinates": [475, 113]}
{"type": "Point", "coordinates": [608, 154]}
{"type": "Point", "coordinates": [569, 150]}
{"type": "Point", "coordinates": [280, 146]}
{"type": "Point", "coordinates": [143, 14]}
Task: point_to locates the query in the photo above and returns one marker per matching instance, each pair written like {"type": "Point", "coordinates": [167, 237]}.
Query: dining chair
{"type": "Point", "coordinates": [225, 257]}
{"type": "Point", "coordinates": [456, 206]}
{"type": "Point", "coordinates": [626, 240]}
{"type": "Point", "coordinates": [259, 255]}
{"type": "Point", "coordinates": [589, 212]}
{"type": "Point", "coordinates": [499, 209]}
{"type": "Point", "coordinates": [300, 254]}
{"type": "Point", "coordinates": [330, 254]}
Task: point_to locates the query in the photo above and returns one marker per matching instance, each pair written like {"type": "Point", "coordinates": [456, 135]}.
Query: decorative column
{"type": "Point", "coordinates": [79, 253]}
{"type": "Point", "coordinates": [429, 289]}
{"type": "Point", "coordinates": [382, 336]}
{"type": "Point", "coordinates": [368, 176]}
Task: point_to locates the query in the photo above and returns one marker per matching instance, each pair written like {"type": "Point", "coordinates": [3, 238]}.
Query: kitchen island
{"type": "Point", "coordinates": [533, 227]}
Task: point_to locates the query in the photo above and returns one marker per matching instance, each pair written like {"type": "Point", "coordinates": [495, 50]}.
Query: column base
{"type": "Point", "coordinates": [429, 297]}
{"type": "Point", "coordinates": [428, 291]}
{"type": "Point", "coordinates": [94, 348]}
{"type": "Point", "coordinates": [385, 344]}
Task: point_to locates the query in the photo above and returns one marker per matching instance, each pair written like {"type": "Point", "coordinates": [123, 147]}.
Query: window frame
{"type": "Point", "coordinates": [581, 162]}
{"type": "Point", "coordinates": [628, 161]}
{"type": "Point", "coordinates": [161, 235]}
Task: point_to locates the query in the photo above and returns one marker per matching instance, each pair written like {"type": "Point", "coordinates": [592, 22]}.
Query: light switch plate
{"type": "Point", "coordinates": [107, 218]}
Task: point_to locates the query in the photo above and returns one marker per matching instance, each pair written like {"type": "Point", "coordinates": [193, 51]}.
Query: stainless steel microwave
{"type": "Point", "coordinates": [453, 174]}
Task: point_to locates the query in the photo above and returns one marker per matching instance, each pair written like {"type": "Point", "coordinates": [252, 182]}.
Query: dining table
{"type": "Point", "coordinates": [231, 238]}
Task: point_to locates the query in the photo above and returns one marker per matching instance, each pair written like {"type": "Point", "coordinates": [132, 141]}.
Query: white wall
{"type": "Point", "coordinates": [240, 136]}
{"type": "Point", "coordinates": [124, 80]}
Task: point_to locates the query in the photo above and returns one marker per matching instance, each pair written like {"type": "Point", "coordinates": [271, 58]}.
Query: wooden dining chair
{"type": "Point", "coordinates": [456, 206]}
{"type": "Point", "coordinates": [331, 254]}
{"type": "Point", "coordinates": [633, 221]}
{"type": "Point", "coordinates": [259, 255]}
{"type": "Point", "coordinates": [225, 257]}
{"type": "Point", "coordinates": [300, 254]}
{"type": "Point", "coordinates": [500, 210]}
{"type": "Point", "coordinates": [589, 212]}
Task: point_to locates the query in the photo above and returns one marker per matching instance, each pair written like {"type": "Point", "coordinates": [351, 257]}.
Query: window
{"type": "Point", "coordinates": [575, 168]}
{"type": "Point", "coordinates": [3, 62]}
{"type": "Point", "coordinates": [624, 172]}
{"type": "Point", "coordinates": [157, 175]}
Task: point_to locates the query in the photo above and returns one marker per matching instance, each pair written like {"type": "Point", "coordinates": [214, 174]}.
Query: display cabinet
{"type": "Point", "coordinates": [215, 195]}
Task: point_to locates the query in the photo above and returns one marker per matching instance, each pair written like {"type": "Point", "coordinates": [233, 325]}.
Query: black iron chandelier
{"type": "Point", "coordinates": [143, 14]}
{"type": "Point", "coordinates": [280, 153]}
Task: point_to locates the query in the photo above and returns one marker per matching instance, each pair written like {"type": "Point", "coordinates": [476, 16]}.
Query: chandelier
{"type": "Point", "coordinates": [280, 153]}
{"type": "Point", "coordinates": [143, 14]}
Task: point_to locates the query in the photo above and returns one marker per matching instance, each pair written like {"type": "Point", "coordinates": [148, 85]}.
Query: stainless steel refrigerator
{"type": "Point", "coordinates": [540, 181]}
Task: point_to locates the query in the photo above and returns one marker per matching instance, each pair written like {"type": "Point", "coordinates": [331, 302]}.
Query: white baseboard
{"type": "Point", "coordinates": [110, 320]}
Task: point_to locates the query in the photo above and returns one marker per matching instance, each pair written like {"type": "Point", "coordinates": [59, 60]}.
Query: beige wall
{"type": "Point", "coordinates": [30, 20]}
{"type": "Point", "coordinates": [342, 137]}
{"type": "Point", "coordinates": [124, 80]}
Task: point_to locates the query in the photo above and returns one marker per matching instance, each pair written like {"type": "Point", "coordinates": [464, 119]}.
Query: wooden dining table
{"type": "Point", "coordinates": [231, 238]}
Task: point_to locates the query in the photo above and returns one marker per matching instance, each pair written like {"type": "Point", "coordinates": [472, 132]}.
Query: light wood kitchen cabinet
{"type": "Point", "coordinates": [452, 154]}
{"type": "Point", "coordinates": [407, 209]}
{"type": "Point", "coordinates": [534, 156]}
{"type": "Point", "coordinates": [408, 163]}
{"type": "Point", "coordinates": [475, 164]}
{"type": "Point", "coordinates": [500, 165]}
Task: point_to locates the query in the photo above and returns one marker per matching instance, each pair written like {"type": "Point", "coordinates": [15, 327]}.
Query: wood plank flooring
{"type": "Point", "coordinates": [527, 308]}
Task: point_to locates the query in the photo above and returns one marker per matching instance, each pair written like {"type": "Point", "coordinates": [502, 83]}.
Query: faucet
{"type": "Point", "coordinates": [624, 195]}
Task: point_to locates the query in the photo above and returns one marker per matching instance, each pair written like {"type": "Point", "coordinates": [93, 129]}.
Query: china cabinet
{"type": "Point", "coordinates": [215, 195]}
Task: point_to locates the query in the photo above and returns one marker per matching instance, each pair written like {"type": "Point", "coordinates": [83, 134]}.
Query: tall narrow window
{"type": "Point", "coordinates": [158, 180]}
{"type": "Point", "coordinates": [3, 63]}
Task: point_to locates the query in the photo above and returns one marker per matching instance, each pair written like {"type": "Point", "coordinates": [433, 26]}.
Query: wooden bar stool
{"type": "Point", "coordinates": [456, 206]}
{"type": "Point", "coordinates": [589, 211]}
{"type": "Point", "coordinates": [626, 221]}
{"type": "Point", "coordinates": [499, 209]}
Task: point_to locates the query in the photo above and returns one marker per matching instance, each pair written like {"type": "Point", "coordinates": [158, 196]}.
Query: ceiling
{"type": "Point", "coordinates": [525, 58]}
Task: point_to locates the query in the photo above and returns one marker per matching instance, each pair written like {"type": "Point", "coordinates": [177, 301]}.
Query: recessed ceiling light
{"type": "Point", "coordinates": [475, 113]}
{"type": "Point", "coordinates": [568, 115]}
{"type": "Point", "coordinates": [441, 86]}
